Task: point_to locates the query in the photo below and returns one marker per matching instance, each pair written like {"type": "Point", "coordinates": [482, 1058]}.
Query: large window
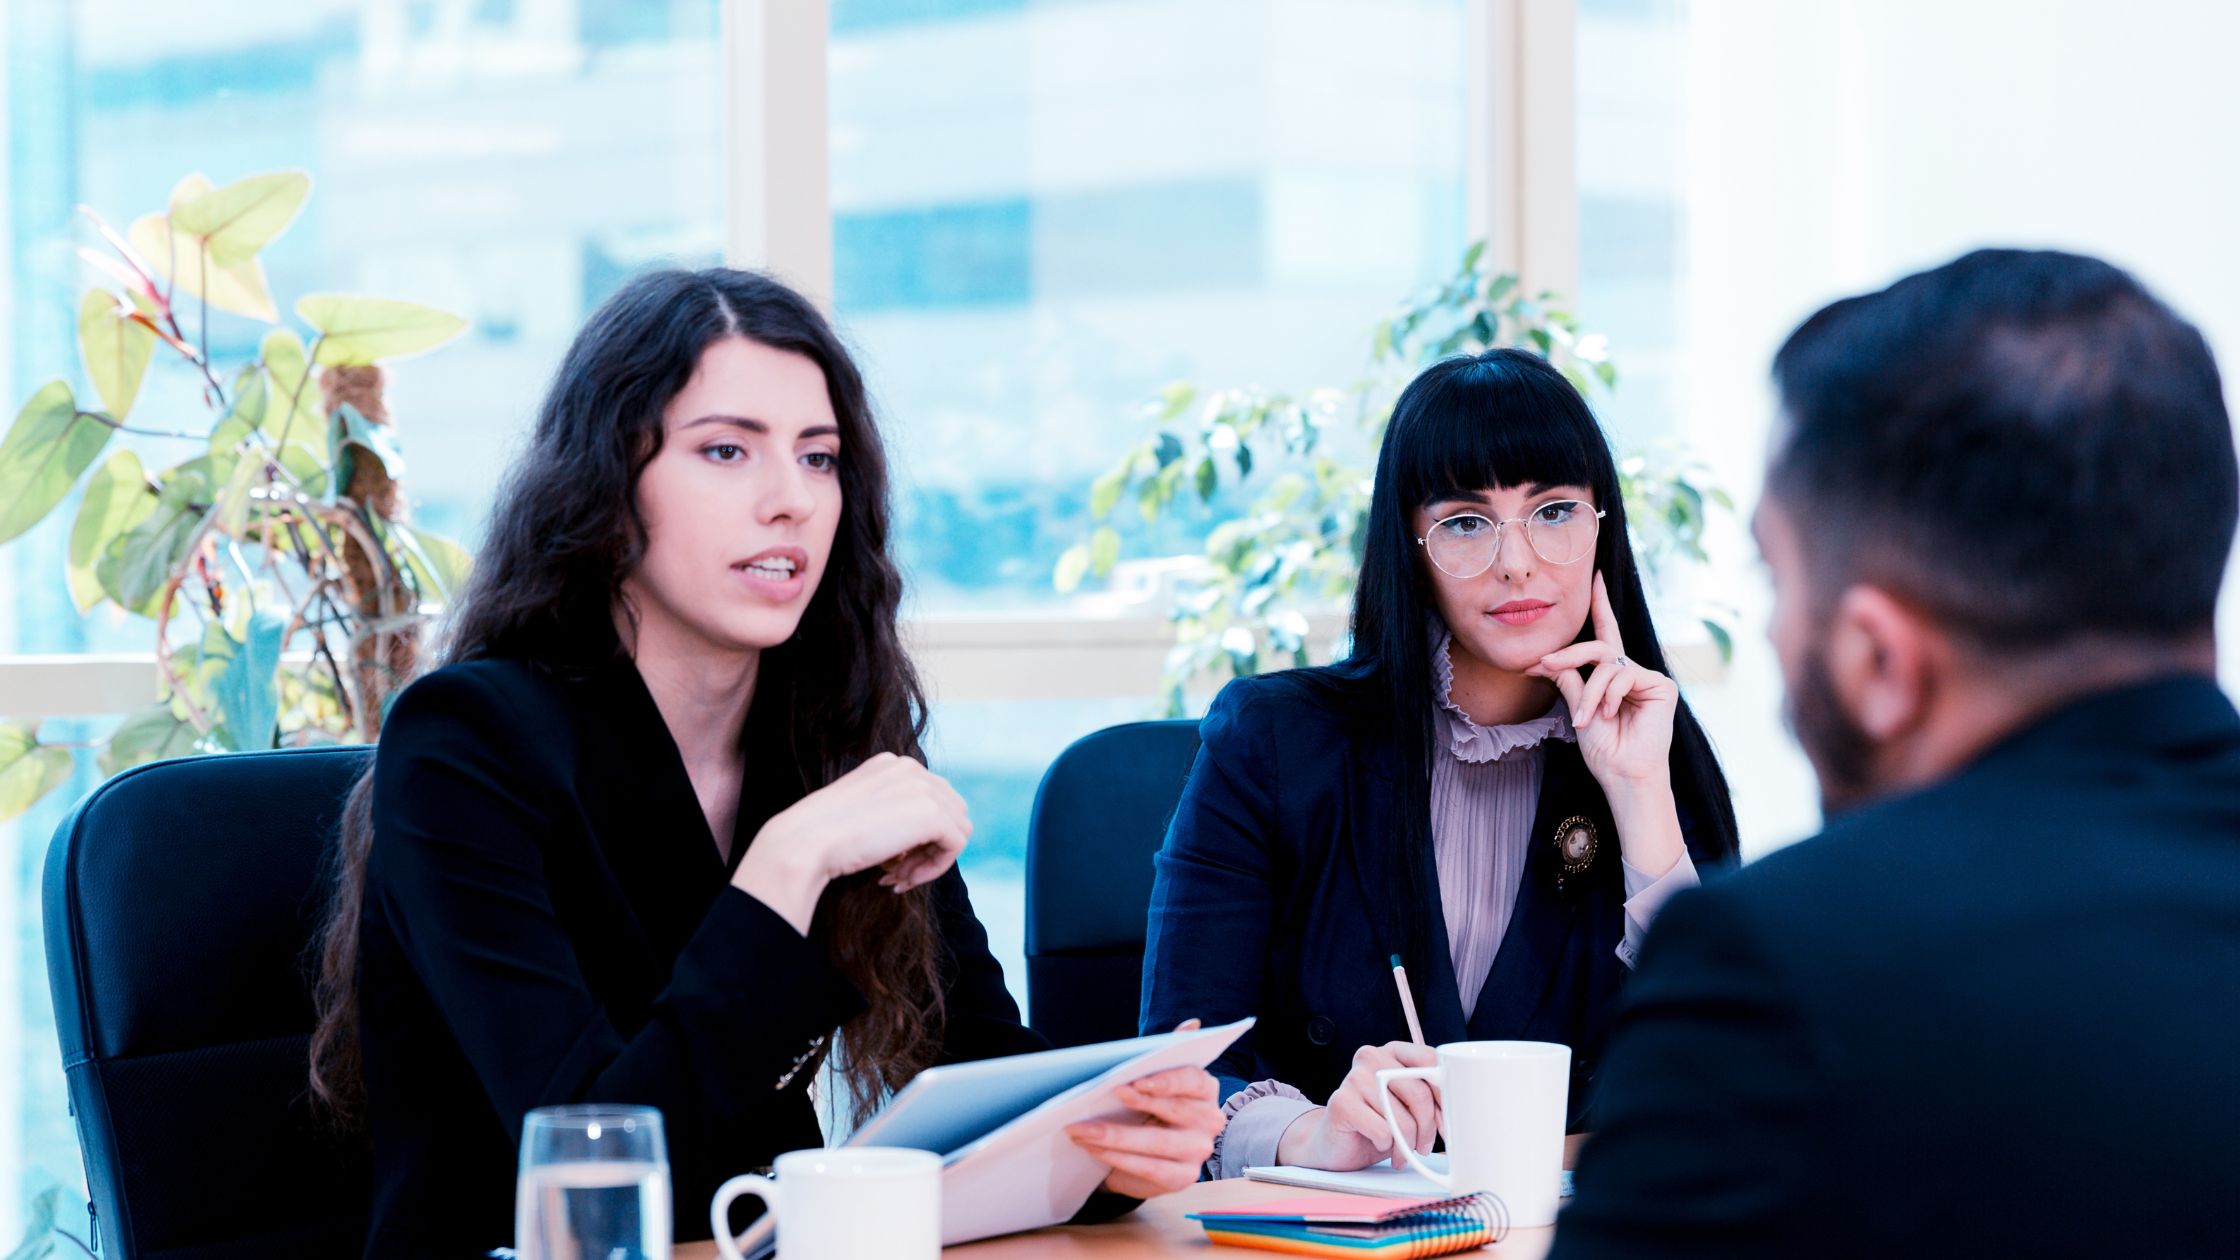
{"type": "Point", "coordinates": [1044, 212]}
{"type": "Point", "coordinates": [510, 161]}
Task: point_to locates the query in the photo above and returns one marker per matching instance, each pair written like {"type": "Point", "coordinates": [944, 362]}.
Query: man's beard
{"type": "Point", "coordinates": [1842, 754]}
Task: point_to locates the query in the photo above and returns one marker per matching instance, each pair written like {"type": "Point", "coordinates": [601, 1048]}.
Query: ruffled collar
{"type": "Point", "coordinates": [1475, 744]}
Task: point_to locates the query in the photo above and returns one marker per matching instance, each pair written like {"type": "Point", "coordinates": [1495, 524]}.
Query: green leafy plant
{"type": "Point", "coordinates": [1295, 547]}
{"type": "Point", "coordinates": [286, 586]}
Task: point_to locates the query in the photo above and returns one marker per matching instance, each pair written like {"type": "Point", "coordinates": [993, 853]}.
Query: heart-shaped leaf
{"type": "Point", "coordinates": [117, 498]}
{"type": "Point", "coordinates": [355, 331]}
{"type": "Point", "coordinates": [292, 386]}
{"type": "Point", "coordinates": [437, 565]}
{"type": "Point", "coordinates": [49, 444]}
{"type": "Point", "coordinates": [116, 349]}
{"type": "Point", "coordinates": [154, 733]}
{"type": "Point", "coordinates": [241, 218]}
{"type": "Point", "coordinates": [28, 769]}
{"type": "Point", "coordinates": [135, 567]}
{"type": "Point", "coordinates": [351, 433]}
{"type": "Point", "coordinates": [248, 691]}
{"type": "Point", "coordinates": [172, 251]}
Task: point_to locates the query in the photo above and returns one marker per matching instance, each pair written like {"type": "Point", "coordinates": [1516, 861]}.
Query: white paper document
{"type": "Point", "coordinates": [1382, 1180]}
{"type": "Point", "coordinates": [999, 1126]}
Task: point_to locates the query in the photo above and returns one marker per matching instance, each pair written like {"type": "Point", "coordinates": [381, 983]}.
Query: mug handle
{"type": "Point", "coordinates": [1385, 1078]}
{"type": "Point", "coordinates": [719, 1211]}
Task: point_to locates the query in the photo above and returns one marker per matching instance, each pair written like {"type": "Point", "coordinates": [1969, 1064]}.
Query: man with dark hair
{"type": "Point", "coordinates": [1994, 1008]}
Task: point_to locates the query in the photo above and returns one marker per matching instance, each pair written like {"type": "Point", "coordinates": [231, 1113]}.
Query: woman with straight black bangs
{"type": "Point", "coordinates": [1499, 786]}
{"type": "Point", "coordinates": [659, 831]}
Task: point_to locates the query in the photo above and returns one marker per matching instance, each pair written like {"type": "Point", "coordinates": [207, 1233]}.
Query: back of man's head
{"type": "Point", "coordinates": [2026, 445]}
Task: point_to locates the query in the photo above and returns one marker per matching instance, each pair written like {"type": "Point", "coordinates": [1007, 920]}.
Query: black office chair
{"type": "Point", "coordinates": [180, 898]}
{"type": "Point", "coordinates": [1099, 816]}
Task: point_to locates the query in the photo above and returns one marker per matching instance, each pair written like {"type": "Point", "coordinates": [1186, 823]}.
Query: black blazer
{"type": "Point", "coordinates": [1278, 894]}
{"type": "Point", "coordinates": [547, 920]}
{"type": "Point", "coordinates": [1997, 1017]}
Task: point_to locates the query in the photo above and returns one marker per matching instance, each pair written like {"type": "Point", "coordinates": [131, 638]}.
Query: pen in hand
{"type": "Point", "coordinates": [1407, 1001]}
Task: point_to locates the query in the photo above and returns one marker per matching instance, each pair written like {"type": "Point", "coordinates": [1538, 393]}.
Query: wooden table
{"type": "Point", "coordinates": [1159, 1229]}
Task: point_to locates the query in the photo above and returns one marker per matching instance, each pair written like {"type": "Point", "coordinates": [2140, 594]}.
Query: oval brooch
{"type": "Point", "coordinates": [1577, 841]}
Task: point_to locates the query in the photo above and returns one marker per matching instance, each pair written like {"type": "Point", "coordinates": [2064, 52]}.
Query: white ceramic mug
{"type": "Point", "coordinates": [1502, 1104]}
{"type": "Point", "coordinates": [844, 1203]}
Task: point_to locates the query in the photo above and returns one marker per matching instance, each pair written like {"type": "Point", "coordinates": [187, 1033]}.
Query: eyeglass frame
{"type": "Point", "coordinates": [1498, 524]}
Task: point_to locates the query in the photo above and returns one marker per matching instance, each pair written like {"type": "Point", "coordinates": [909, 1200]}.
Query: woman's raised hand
{"type": "Point", "coordinates": [889, 812]}
{"type": "Point", "coordinates": [1623, 714]}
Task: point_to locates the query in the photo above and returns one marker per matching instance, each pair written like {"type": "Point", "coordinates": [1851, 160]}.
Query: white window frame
{"type": "Point", "coordinates": [1522, 193]}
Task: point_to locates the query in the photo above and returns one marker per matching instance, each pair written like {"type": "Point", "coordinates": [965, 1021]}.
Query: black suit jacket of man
{"type": "Point", "coordinates": [1280, 894]}
{"type": "Point", "coordinates": [1996, 1017]}
{"type": "Point", "coordinates": [548, 920]}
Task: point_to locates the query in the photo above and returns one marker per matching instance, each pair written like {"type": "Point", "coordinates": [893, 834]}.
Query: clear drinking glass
{"type": "Point", "coordinates": [594, 1185]}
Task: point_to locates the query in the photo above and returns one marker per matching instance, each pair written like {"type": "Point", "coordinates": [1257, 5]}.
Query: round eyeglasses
{"type": "Point", "coordinates": [1561, 532]}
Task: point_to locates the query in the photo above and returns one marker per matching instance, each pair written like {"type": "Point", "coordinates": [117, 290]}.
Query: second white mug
{"type": "Point", "coordinates": [1503, 1106]}
{"type": "Point", "coordinates": [844, 1203]}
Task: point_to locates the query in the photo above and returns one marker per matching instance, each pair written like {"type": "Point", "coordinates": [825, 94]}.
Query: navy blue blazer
{"type": "Point", "coordinates": [1279, 894]}
{"type": "Point", "coordinates": [1996, 1017]}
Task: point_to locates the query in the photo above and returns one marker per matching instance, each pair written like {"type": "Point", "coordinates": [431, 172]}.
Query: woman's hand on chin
{"type": "Point", "coordinates": [1623, 714]}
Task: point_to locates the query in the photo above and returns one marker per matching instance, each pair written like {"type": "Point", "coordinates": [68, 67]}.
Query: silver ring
{"type": "Point", "coordinates": [1620, 661]}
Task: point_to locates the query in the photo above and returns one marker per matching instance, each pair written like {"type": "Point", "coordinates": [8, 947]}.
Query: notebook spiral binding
{"type": "Point", "coordinates": [1485, 1210]}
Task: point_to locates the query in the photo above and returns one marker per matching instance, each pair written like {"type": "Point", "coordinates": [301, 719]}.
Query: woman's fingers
{"type": "Point", "coordinates": [1416, 1100]}
{"type": "Point", "coordinates": [1590, 696]}
{"type": "Point", "coordinates": [1183, 1082]}
{"type": "Point", "coordinates": [1145, 1141]}
{"type": "Point", "coordinates": [1572, 687]}
{"type": "Point", "coordinates": [1577, 656]}
{"type": "Point", "coordinates": [1190, 1115]}
{"type": "Point", "coordinates": [1143, 1177]}
{"type": "Point", "coordinates": [1621, 686]}
{"type": "Point", "coordinates": [1606, 618]}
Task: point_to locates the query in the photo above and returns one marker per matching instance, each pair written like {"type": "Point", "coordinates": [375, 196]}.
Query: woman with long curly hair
{"type": "Point", "coordinates": [659, 831]}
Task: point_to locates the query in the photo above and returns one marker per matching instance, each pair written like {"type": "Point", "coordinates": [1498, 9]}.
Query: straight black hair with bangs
{"type": "Point", "coordinates": [1502, 418]}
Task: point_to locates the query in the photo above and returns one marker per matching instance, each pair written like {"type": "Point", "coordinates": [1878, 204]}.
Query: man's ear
{"type": "Point", "coordinates": [1884, 661]}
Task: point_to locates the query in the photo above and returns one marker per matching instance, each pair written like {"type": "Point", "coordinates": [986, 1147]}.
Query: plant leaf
{"type": "Point", "coordinates": [355, 331]}
{"type": "Point", "coordinates": [1168, 450]}
{"type": "Point", "coordinates": [438, 566]}
{"type": "Point", "coordinates": [117, 498]}
{"type": "Point", "coordinates": [284, 361]}
{"type": "Point", "coordinates": [350, 429]}
{"type": "Point", "coordinates": [28, 769]}
{"type": "Point", "coordinates": [1073, 565]}
{"type": "Point", "coordinates": [1722, 637]}
{"type": "Point", "coordinates": [1174, 399]}
{"type": "Point", "coordinates": [154, 733]}
{"type": "Point", "coordinates": [1471, 256]}
{"type": "Point", "coordinates": [244, 216]}
{"type": "Point", "coordinates": [49, 444]}
{"type": "Point", "coordinates": [232, 505]}
{"type": "Point", "coordinates": [248, 690]}
{"type": "Point", "coordinates": [115, 347]}
{"type": "Point", "coordinates": [1208, 480]}
{"type": "Point", "coordinates": [238, 287]}
{"type": "Point", "coordinates": [135, 566]}
{"type": "Point", "coordinates": [1104, 492]}
{"type": "Point", "coordinates": [251, 400]}
{"type": "Point", "coordinates": [1104, 551]}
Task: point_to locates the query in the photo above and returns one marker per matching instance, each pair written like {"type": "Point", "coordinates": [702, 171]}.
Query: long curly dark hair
{"type": "Point", "coordinates": [565, 534]}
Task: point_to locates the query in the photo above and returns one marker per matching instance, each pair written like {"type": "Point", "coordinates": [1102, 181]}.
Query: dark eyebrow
{"type": "Point", "coordinates": [757, 426]}
{"type": "Point", "coordinates": [1472, 497]}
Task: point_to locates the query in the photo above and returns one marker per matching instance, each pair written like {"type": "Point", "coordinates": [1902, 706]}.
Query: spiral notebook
{"type": "Point", "coordinates": [1341, 1225]}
